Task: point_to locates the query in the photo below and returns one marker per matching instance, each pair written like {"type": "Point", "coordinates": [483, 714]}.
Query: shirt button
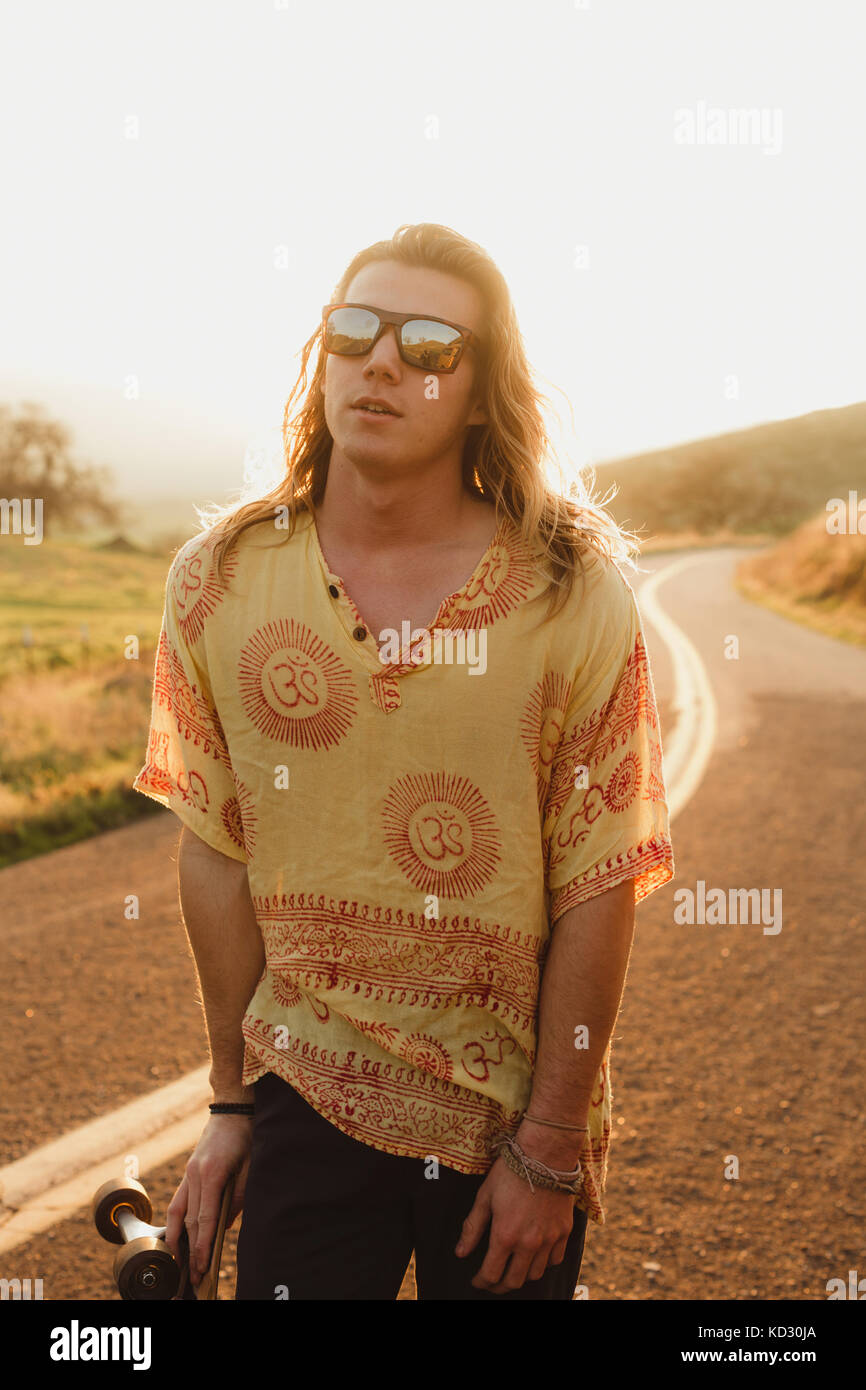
{"type": "Point", "coordinates": [360, 634]}
{"type": "Point", "coordinates": [333, 591]}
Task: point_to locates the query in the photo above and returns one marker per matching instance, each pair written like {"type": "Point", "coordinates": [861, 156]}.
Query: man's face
{"type": "Point", "coordinates": [430, 419]}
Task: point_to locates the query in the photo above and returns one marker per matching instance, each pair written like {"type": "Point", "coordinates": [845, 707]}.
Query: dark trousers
{"type": "Point", "coordinates": [327, 1217]}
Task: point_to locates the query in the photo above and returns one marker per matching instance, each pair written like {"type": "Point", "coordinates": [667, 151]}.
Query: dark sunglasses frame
{"type": "Point", "coordinates": [467, 337]}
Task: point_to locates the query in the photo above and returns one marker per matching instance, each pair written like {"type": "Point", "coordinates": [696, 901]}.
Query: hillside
{"type": "Point", "coordinates": [768, 479]}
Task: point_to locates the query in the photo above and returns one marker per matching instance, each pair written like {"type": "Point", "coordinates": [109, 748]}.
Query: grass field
{"type": "Point", "coordinates": [74, 710]}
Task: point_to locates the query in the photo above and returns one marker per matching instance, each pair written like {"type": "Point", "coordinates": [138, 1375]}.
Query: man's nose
{"type": "Point", "coordinates": [386, 350]}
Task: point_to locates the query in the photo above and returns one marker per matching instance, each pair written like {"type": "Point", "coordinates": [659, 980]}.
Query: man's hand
{"type": "Point", "coordinates": [530, 1229]}
{"type": "Point", "coordinates": [223, 1149]}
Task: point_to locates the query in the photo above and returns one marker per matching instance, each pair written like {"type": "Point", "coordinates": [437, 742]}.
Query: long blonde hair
{"type": "Point", "coordinates": [503, 460]}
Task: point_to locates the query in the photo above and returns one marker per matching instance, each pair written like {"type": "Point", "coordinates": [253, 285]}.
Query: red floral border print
{"type": "Point", "coordinates": [239, 819]}
{"type": "Point", "coordinates": [602, 1082]}
{"type": "Point", "coordinates": [593, 1161]}
{"type": "Point", "coordinates": [160, 777]}
{"type": "Point", "coordinates": [193, 711]}
{"type": "Point", "coordinates": [195, 588]}
{"type": "Point", "coordinates": [421, 962]}
{"type": "Point", "coordinates": [649, 863]}
{"type": "Point", "coordinates": [391, 1107]}
{"type": "Point", "coordinates": [385, 691]}
{"type": "Point", "coordinates": [382, 1034]}
{"type": "Point", "coordinates": [606, 729]}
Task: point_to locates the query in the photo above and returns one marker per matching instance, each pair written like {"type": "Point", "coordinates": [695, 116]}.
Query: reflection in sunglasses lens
{"type": "Point", "coordinates": [430, 344]}
{"type": "Point", "coordinates": [351, 330]}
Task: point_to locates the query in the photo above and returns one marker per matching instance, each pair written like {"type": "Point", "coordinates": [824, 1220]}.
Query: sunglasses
{"type": "Point", "coordinates": [351, 330]}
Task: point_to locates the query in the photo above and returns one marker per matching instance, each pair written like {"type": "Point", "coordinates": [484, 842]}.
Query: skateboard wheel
{"type": "Point", "coordinates": [118, 1192]}
{"type": "Point", "coordinates": [144, 1269]}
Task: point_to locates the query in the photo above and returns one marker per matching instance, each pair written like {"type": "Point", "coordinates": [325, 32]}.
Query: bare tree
{"type": "Point", "coordinates": [36, 461]}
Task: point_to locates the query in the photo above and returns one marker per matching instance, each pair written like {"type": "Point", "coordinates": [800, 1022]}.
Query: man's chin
{"type": "Point", "coordinates": [369, 453]}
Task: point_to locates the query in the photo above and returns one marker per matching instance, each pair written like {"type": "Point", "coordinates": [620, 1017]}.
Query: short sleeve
{"type": "Point", "coordinates": [188, 768]}
{"type": "Point", "coordinates": [606, 815]}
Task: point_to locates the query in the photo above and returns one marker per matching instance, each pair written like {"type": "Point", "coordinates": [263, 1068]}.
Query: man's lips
{"type": "Point", "coordinates": [377, 415]}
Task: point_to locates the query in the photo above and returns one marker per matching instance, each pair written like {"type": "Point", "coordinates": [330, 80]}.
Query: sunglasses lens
{"type": "Point", "coordinates": [350, 331]}
{"type": "Point", "coordinates": [431, 344]}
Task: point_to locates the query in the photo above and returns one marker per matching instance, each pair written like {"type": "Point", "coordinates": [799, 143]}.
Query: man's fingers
{"type": "Point", "coordinates": [191, 1220]}
{"type": "Point", "coordinates": [519, 1267]}
{"type": "Point", "coordinates": [493, 1266]}
{"type": "Point", "coordinates": [212, 1187]}
{"type": "Point", "coordinates": [238, 1192]}
{"type": "Point", "coordinates": [557, 1254]}
{"type": "Point", "coordinates": [541, 1262]}
{"type": "Point", "coordinates": [474, 1225]}
{"type": "Point", "coordinates": [174, 1219]}
{"type": "Point", "coordinates": [207, 1224]}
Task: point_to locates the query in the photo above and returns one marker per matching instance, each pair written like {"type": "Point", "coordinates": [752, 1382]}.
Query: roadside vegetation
{"type": "Point", "coordinates": [813, 577]}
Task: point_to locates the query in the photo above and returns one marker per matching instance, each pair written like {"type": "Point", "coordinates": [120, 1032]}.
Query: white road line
{"type": "Point", "coordinates": [689, 747]}
{"type": "Point", "coordinates": [44, 1186]}
{"type": "Point", "coordinates": [57, 1179]}
{"type": "Point", "coordinates": [63, 1200]}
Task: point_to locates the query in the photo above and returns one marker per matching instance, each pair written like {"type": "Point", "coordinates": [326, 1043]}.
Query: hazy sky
{"type": "Point", "coordinates": [183, 183]}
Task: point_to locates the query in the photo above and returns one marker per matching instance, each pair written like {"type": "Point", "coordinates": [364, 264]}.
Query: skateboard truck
{"type": "Point", "coordinates": [144, 1267]}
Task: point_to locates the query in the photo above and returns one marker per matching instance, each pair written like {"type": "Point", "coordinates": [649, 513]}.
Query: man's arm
{"type": "Point", "coordinates": [582, 984]}
{"type": "Point", "coordinates": [229, 955]}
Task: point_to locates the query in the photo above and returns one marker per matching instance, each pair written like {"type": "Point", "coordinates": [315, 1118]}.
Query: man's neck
{"type": "Point", "coordinates": [395, 517]}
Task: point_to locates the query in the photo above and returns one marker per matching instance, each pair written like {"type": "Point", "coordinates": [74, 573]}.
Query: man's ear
{"type": "Point", "coordinates": [479, 415]}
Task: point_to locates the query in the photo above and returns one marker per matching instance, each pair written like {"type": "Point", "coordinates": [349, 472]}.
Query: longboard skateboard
{"type": "Point", "coordinates": [144, 1267]}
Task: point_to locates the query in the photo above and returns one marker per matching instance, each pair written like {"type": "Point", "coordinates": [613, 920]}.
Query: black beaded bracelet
{"type": "Point", "coordinates": [232, 1108]}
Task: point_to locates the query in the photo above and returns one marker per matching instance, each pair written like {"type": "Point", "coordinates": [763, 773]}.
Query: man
{"type": "Point", "coordinates": [422, 810]}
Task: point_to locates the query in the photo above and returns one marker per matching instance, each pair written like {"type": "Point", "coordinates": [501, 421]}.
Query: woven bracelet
{"type": "Point", "coordinates": [526, 1167]}
{"type": "Point", "coordinates": [232, 1108]}
{"type": "Point", "coordinates": [534, 1178]}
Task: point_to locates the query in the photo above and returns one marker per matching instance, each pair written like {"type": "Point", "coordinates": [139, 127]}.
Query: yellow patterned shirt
{"type": "Point", "coordinates": [414, 820]}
